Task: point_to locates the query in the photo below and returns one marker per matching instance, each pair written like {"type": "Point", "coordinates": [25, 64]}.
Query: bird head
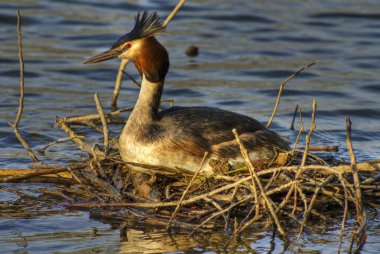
{"type": "Point", "coordinates": [140, 46]}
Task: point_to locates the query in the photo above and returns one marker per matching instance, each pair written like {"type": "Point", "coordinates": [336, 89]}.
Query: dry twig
{"type": "Point", "coordinates": [104, 123]}
{"type": "Point", "coordinates": [258, 181]}
{"type": "Point", "coordinates": [294, 117]}
{"type": "Point", "coordinates": [359, 233]}
{"type": "Point", "coordinates": [282, 88]}
{"type": "Point", "coordinates": [40, 173]}
{"type": "Point", "coordinates": [84, 119]}
{"type": "Point", "coordinates": [21, 103]}
{"type": "Point", "coordinates": [82, 145]}
{"type": "Point", "coordinates": [344, 213]}
{"type": "Point", "coordinates": [186, 190]}
{"type": "Point", "coordinates": [308, 136]}
{"type": "Point", "coordinates": [43, 150]}
{"type": "Point", "coordinates": [299, 132]}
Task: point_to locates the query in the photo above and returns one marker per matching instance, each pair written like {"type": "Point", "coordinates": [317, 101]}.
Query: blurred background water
{"type": "Point", "coordinates": [247, 48]}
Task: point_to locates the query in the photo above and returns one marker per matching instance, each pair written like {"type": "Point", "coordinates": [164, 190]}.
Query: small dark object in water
{"type": "Point", "coordinates": [192, 51]}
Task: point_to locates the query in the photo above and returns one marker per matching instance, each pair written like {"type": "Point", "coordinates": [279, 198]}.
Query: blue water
{"type": "Point", "coordinates": [247, 48]}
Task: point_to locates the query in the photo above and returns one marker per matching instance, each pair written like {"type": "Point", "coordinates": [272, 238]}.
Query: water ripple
{"type": "Point", "coordinates": [183, 92]}
{"type": "Point", "coordinates": [16, 74]}
{"type": "Point", "coordinates": [277, 74]}
{"type": "Point", "coordinates": [293, 92]}
{"type": "Point", "coordinates": [346, 15]}
{"type": "Point", "coordinates": [11, 19]}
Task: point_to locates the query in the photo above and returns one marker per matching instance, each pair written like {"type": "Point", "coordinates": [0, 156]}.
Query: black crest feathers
{"type": "Point", "coordinates": [146, 24]}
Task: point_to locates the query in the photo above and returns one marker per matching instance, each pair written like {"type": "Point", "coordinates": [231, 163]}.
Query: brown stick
{"type": "Point", "coordinates": [146, 218]}
{"type": "Point", "coordinates": [82, 145]}
{"type": "Point", "coordinates": [294, 118]}
{"type": "Point", "coordinates": [24, 143]}
{"type": "Point", "coordinates": [131, 78]}
{"type": "Point", "coordinates": [40, 173]}
{"type": "Point", "coordinates": [21, 101]}
{"type": "Point", "coordinates": [219, 213]}
{"type": "Point", "coordinates": [259, 184]}
{"type": "Point", "coordinates": [299, 132]}
{"type": "Point", "coordinates": [83, 119]}
{"type": "Point", "coordinates": [312, 156]}
{"type": "Point", "coordinates": [104, 122]}
{"type": "Point", "coordinates": [174, 12]}
{"type": "Point", "coordinates": [57, 193]}
{"type": "Point", "coordinates": [42, 150]}
{"type": "Point", "coordinates": [119, 78]}
{"type": "Point", "coordinates": [159, 169]}
{"type": "Point", "coordinates": [7, 172]}
{"type": "Point", "coordinates": [77, 176]}
{"type": "Point", "coordinates": [186, 190]}
{"type": "Point", "coordinates": [282, 88]}
{"type": "Point", "coordinates": [21, 61]}
{"type": "Point", "coordinates": [287, 197]}
{"type": "Point", "coordinates": [371, 179]}
{"type": "Point", "coordinates": [295, 199]}
{"type": "Point", "coordinates": [344, 214]}
{"type": "Point", "coordinates": [313, 199]}
{"type": "Point", "coordinates": [18, 193]}
{"type": "Point", "coordinates": [301, 169]}
{"type": "Point", "coordinates": [249, 223]}
{"type": "Point", "coordinates": [251, 170]}
{"type": "Point", "coordinates": [323, 148]}
{"type": "Point", "coordinates": [106, 187]}
{"type": "Point", "coordinates": [308, 136]}
{"type": "Point", "coordinates": [358, 195]}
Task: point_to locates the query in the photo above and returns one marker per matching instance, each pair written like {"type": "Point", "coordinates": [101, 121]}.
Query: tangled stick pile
{"type": "Point", "coordinates": [296, 185]}
{"type": "Point", "coordinates": [292, 187]}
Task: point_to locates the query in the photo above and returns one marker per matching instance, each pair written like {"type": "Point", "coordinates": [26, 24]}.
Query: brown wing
{"type": "Point", "coordinates": [262, 143]}
{"type": "Point", "coordinates": [206, 126]}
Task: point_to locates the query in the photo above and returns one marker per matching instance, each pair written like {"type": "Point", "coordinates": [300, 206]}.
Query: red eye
{"type": "Point", "coordinates": [127, 46]}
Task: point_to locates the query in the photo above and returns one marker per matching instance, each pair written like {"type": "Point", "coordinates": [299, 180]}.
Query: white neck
{"type": "Point", "coordinates": [146, 108]}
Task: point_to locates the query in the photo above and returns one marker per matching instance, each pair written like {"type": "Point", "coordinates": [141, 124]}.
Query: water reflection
{"type": "Point", "coordinates": [155, 242]}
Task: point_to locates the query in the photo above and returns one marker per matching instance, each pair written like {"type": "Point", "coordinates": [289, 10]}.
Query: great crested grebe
{"type": "Point", "coordinates": [179, 136]}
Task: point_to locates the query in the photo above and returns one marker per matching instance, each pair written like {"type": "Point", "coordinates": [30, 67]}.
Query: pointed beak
{"type": "Point", "coordinates": [107, 55]}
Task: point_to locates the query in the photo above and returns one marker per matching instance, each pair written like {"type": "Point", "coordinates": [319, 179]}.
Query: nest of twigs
{"type": "Point", "coordinates": [295, 186]}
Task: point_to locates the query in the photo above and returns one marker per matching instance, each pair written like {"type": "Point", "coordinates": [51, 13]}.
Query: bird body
{"type": "Point", "coordinates": [180, 136]}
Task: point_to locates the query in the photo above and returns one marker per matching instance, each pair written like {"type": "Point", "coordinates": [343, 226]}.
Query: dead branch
{"type": "Point", "coordinates": [82, 145]}
{"type": "Point", "coordinates": [8, 172]}
{"type": "Point", "coordinates": [282, 88]}
{"type": "Point", "coordinates": [21, 60]}
{"type": "Point", "coordinates": [186, 190]}
{"type": "Point", "coordinates": [308, 136]}
{"type": "Point", "coordinates": [294, 117]}
{"type": "Point", "coordinates": [39, 173]}
{"type": "Point", "coordinates": [43, 150]}
{"type": "Point", "coordinates": [21, 101]}
{"type": "Point", "coordinates": [84, 119]}
{"type": "Point", "coordinates": [104, 123]}
{"type": "Point", "coordinates": [360, 210]}
{"type": "Point", "coordinates": [258, 181]}
{"type": "Point", "coordinates": [300, 131]}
